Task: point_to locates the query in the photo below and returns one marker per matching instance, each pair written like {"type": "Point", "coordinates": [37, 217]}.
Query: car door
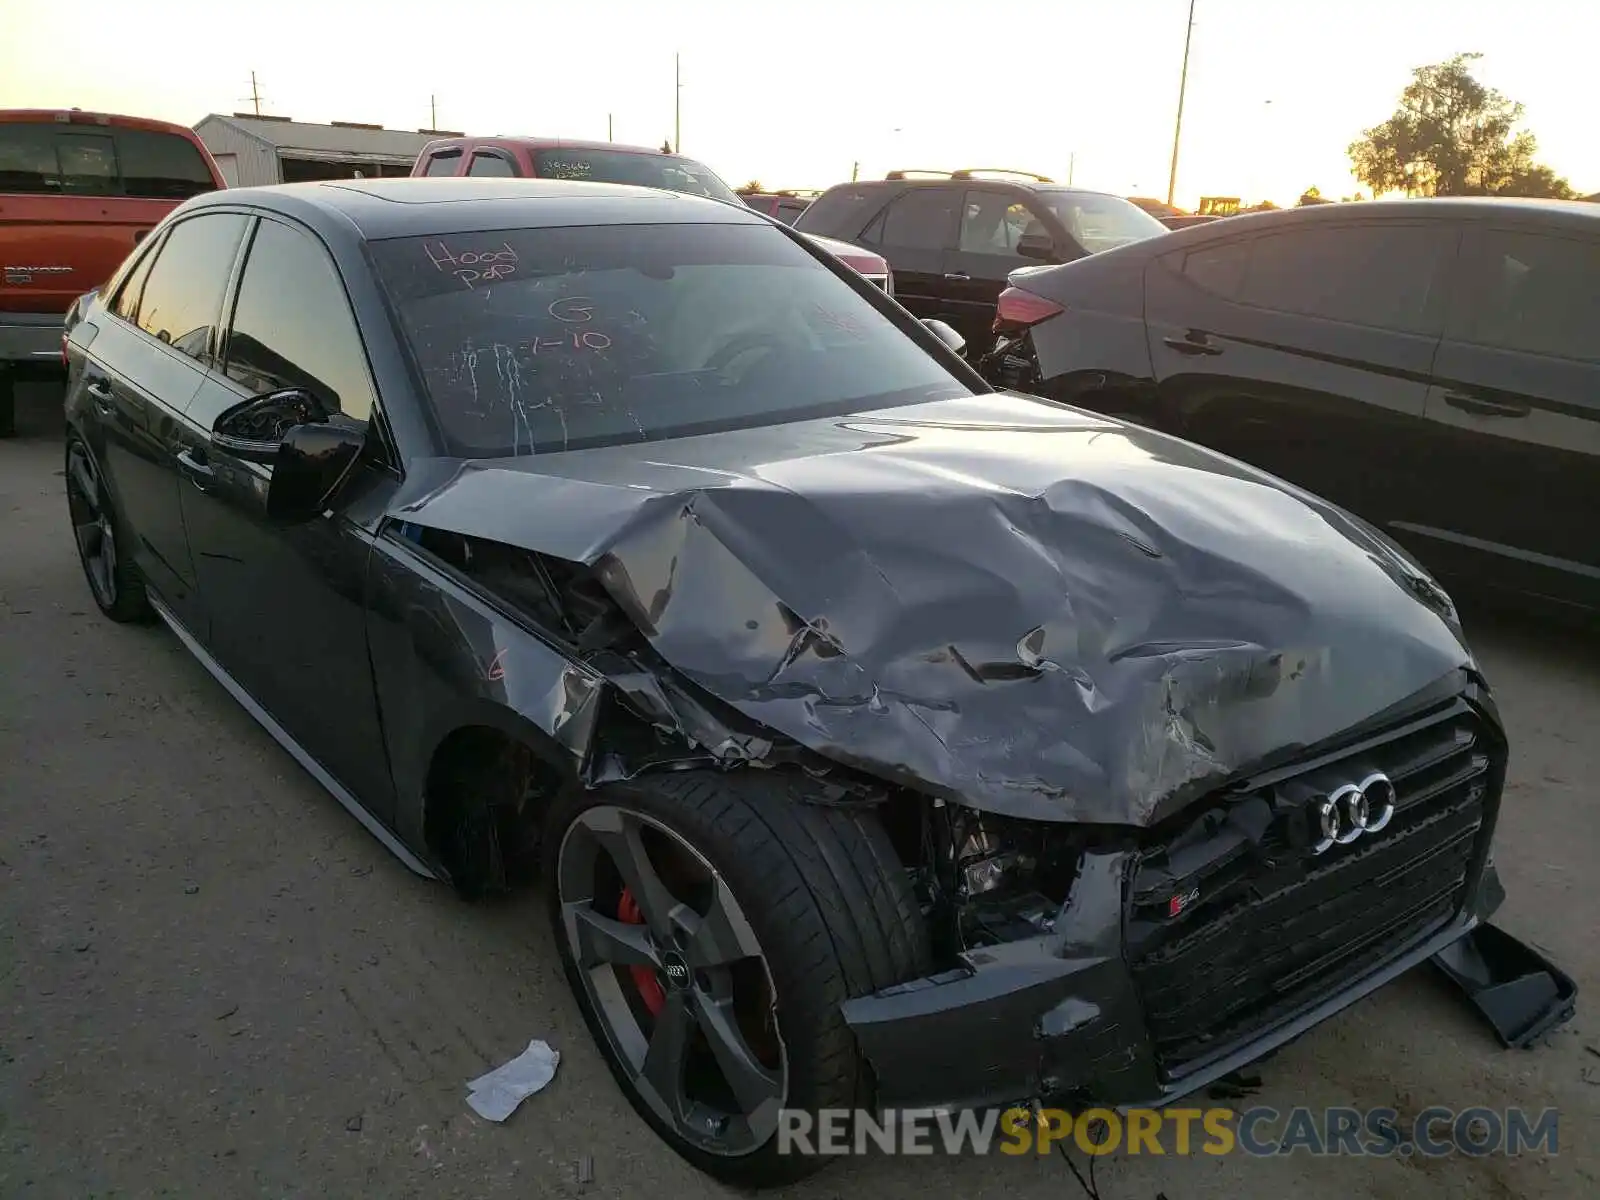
{"type": "Point", "coordinates": [141, 372]}
{"type": "Point", "coordinates": [1515, 417]}
{"type": "Point", "coordinates": [286, 603]}
{"type": "Point", "coordinates": [993, 220]}
{"type": "Point", "coordinates": [914, 233]}
{"type": "Point", "coordinates": [1306, 351]}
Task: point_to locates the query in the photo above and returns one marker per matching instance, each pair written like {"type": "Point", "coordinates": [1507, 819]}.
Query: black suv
{"type": "Point", "coordinates": [952, 240]}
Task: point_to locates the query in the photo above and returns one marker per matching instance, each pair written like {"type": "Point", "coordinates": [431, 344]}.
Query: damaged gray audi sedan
{"type": "Point", "coordinates": [879, 737]}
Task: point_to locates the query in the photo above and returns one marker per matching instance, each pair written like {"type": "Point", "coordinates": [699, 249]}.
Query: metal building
{"type": "Point", "coordinates": [257, 150]}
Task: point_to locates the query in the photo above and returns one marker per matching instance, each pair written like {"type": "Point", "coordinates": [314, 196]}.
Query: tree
{"type": "Point", "coordinates": [1452, 136]}
{"type": "Point", "coordinates": [1312, 195]}
{"type": "Point", "coordinates": [753, 188]}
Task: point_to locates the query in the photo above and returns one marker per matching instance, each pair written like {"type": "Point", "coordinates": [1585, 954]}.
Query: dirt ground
{"type": "Point", "coordinates": [214, 982]}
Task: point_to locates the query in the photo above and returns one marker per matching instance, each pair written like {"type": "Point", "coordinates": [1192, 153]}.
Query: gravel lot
{"type": "Point", "coordinates": [213, 981]}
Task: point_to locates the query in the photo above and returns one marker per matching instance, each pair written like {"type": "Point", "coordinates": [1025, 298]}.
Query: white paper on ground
{"type": "Point", "coordinates": [495, 1096]}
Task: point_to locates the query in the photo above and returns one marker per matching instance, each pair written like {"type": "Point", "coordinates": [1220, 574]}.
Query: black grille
{"type": "Point", "coordinates": [1276, 927]}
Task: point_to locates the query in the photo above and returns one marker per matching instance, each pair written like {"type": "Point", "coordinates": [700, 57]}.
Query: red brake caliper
{"type": "Point", "coordinates": [644, 978]}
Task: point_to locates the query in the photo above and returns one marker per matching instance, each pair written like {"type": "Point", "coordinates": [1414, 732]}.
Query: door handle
{"type": "Point", "coordinates": [957, 276]}
{"type": "Point", "coordinates": [1189, 345]}
{"type": "Point", "coordinates": [100, 392]}
{"type": "Point", "coordinates": [197, 469]}
{"type": "Point", "coordinates": [1485, 408]}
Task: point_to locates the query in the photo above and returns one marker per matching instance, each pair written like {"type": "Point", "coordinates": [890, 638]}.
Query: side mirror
{"type": "Point", "coordinates": [254, 430]}
{"type": "Point", "coordinates": [1037, 246]}
{"type": "Point", "coordinates": [945, 334]}
{"type": "Point", "coordinates": [311, 464]}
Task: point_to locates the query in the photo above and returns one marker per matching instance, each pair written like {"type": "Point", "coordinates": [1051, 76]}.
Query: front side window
{"type": "Point", "coordinates": [993, 223]}
{"type": "Point", "coordinates": [1539, 294]}
{"type": "Point", "coordinates": [538, 340]}
{"type": "Point", "coordinates": [669, 172]}
{"type": "Point", "coordinates": [922, 219]}
{"type": "Point", "coordinates": [443, 163]}
{"type": "Point", "coordinates": [1099, 222]}
{"type": "Point", "coordinates": [182, 297]}
{"type": "Point", "coordinates": [292, 325]}
{"type": "Point", "coordinates": [492, 165]}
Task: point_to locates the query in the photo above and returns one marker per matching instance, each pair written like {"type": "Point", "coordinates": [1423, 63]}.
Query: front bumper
{"type": "Point", "coordinates": [1173, 963]}
{"type": "Point", "coordinates": [1058, 1017]}
{"type": "Point", "coordinates": [31, 338]}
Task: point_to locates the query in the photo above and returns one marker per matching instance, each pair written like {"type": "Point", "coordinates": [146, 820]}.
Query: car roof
{"type": "Point", "coordinates": [421, 207]}
{"type": "Point", "coordinates": [1561, 213]}
{"type": "Point", "coordinates": [70, 117]}
{"type": "Point", "coordinates": [1026, 185]}
{"type": "Point", "coordinates": [544, 143]}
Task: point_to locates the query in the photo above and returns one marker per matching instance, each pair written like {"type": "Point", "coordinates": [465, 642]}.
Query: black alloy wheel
{"type": "Point", "coordinates": [113, 580]}
{"type": "Point", "coordinates": [711, 925]}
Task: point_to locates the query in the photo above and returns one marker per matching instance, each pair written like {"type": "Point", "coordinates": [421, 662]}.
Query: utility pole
{"type": "Point", "coordinates": [1072, 167]}
{"type": "Point", "coordinates": [1183, 86]}
{"type": "Point", "coordinates": [433, 112]}
{"type": "Point", "coordinates": [255, 94]}
{"type": "Point", "coordinates": [609, 138]}
{"type": "Point", "coordinates": [677, 104]}
{"type": "Point", "coordinates": [855, 171]}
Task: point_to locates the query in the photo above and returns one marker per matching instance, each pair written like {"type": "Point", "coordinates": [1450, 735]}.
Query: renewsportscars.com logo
{"type": "Point", "coordinates": [1260, 1131]}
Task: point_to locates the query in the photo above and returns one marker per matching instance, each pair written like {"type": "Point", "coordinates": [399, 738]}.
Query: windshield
{"type": "Point", "coordinates": [666, 171]}
{"type": "Point", "coordinates": [539, 340]}
{"type": "Point", "coordinates": [1098, 222]}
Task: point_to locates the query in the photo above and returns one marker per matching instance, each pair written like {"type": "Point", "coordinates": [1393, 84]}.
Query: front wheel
{"type": "Point", "coordinates": [711, 925]}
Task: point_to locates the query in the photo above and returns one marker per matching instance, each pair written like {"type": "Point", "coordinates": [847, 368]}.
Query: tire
{"type": "Point", "coordinates": [816, 892]}
{"type": "Point", "coordinates": [114, 582]}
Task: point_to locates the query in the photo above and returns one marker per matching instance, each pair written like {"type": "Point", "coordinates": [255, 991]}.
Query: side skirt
{"type": "Point", "coordinates": [337, 790]}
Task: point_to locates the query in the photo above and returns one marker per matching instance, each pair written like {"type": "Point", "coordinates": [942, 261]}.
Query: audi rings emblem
{"type": "Point", "coordinates": [1353, 809]}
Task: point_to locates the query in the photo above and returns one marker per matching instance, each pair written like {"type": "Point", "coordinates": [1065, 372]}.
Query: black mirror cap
{"type": "Point", "coordinates": [311, 464]}
{"type": "Point", "coordinates": [254, 428]}
{"type": "Point", "coordinates": [1038, 248]}
{"type": "Point", "coordinates": [953, 340]}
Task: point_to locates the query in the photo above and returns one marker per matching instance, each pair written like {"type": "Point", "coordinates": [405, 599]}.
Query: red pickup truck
{"type": "Point", "coordinates": [611, 162]}
{"type": "Point", "coordinates": [77, 192]}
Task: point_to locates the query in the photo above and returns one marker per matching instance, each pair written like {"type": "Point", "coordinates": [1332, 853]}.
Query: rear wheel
{"type": "Point", "coordinates": [711, 925]}
{"type": "Point", "coordinates": [8, 402]}
{"type": "Point", "coordinates": [113, 580]}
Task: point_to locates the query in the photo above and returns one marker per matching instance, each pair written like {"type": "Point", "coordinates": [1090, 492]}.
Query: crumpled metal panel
{"type": "Point", "coordinates": [1042, 613]}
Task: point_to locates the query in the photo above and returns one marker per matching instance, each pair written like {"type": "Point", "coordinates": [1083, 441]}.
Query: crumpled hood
{"type": "Point", "coordinates": [1034, 610]}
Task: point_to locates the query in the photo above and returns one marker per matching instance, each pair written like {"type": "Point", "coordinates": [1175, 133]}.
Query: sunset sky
{"type": "Point", "coordinates": [793, 94]}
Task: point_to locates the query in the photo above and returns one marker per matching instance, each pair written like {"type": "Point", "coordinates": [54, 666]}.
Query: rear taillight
{"type": "Point", "coordinates": [1018, 310]}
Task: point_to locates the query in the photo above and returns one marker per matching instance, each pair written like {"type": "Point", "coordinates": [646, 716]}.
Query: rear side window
{"type": "Point", "coordinates": [789, 211]}
{"type": "Point", "coordinates": [292, 325]}
{"type": "Point", "coordinates": [1540, 295]}
{"type": "Point", "coordinates": [66, 160]}
{"type": "Point", "coordinates": [161, 166]}
{"type": "Point", "coordinates": [491, 165]}
{"type": "Point", "coordinates": [182, 296]}
{"type": "Point", "coordinates": [1385, 276]}
{"type": "Point", "coordinates": [126, 305]}
{"type": "Point", "coordinates": [922, 219]}
{"type": "Point", "coordinates": [443, 163]}
{"type": "Point", "coordinates": [842, 211]}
